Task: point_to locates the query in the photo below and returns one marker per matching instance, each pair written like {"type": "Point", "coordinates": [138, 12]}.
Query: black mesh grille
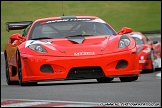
{"type": "Point", "coordinates": [46, 68]}
{"type": "Point", "coordinates": [85, 72]}
{"type": "Point", "coordinates": [121, 64]}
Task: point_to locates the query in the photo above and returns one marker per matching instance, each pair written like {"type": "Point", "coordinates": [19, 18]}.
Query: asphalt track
{"type": "Point", "coordinates": [146, 91]}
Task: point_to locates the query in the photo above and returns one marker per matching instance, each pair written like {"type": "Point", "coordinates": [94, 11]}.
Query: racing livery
{"type": "Point", "coordinates": [69, 47]}
{"type": "Point", "coordinates": [149, 52]}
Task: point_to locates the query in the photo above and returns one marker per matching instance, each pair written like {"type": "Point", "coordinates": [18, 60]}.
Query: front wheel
{"type": "Point", "coordinates": [104, 80]}
{"type": "Point", "coordinates": [19, 68]}
{"type": "Point", "coordinates": [128, 79]}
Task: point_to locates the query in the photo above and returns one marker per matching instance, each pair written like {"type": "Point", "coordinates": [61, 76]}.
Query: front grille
{"type": "Point", "coordinates": [85, 72]}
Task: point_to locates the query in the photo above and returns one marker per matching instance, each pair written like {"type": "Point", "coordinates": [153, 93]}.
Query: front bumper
{"type": "Point", "coordinates": [145, 61]}
{"type": "Point", "coordinates": [31, 65]}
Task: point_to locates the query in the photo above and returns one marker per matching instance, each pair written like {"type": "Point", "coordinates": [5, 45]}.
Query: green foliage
{"type": "Point", "coordinates": [139, 15]}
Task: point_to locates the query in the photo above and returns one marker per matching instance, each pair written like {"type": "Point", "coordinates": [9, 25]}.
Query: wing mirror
{"type": "Point", "coordinates": [125, 30]}
{"type": "Point", "coordinates": [16, 37]}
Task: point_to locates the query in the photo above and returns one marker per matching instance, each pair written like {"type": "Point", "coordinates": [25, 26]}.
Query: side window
{"type": "Point", "coordinates": [25, 32]}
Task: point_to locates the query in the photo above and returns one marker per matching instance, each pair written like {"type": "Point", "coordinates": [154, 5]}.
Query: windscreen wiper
{"type": "Point", "coordinates": [41, 38]}
{"type": "Point", "coordinates": [78, 36]}
{"type": "Point", "coordinates": [74, 36]}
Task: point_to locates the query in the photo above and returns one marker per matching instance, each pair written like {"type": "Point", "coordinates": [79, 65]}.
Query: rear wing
{"type": "Point", "coordinates": [17, 25]}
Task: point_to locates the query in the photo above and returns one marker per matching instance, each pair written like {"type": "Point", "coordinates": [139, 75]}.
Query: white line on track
{"type": "Point", "coordinates": [158, 75]}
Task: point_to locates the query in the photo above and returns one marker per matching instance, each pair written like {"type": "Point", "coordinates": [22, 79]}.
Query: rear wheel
{"type": "Point", "coordinates": [128, 79]}
{"type": "Point", "coordinates": [9, 82]}
{"type": "Point", "coordinates": [20, 73]}
{"type": "Point", "coordinates": [104, 80]}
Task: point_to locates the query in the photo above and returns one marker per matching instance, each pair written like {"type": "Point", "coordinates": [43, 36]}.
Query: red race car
{"type": "Point", "coordinates": [69, 47]}
{"type": "Point", "coordinates": [149, 52]}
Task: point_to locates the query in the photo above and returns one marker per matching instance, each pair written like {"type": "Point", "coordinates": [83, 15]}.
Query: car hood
{"type": "Point", "coordinates": [75, 47]}
{"type": "Point", "coordinates": [89, 46]}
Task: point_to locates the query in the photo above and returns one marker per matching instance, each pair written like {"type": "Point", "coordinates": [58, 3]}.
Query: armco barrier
{"type": "Point", "coordinates": [152, 32]}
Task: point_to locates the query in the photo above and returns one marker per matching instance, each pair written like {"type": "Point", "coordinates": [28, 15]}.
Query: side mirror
{"type": "Point", "coordinates": [125, 30]}
{"type": "Point", "coordinates": [15, 37]}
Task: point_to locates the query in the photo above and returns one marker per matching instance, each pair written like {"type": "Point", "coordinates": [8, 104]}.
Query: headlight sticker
{"type": "Point", "coordinates": [31, 42]}
{"type": "Point", "coordinates": [98, 20]}
{"type": "Point", "coordinates": [147, 50]}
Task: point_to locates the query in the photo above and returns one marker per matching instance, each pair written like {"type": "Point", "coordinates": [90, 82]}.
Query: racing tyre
{"type": "Point", "coordinates": [128, 79]}
{"type": "Point", "coordinates": [20, 73]}
{"type": "Point", "coordinates": [104, 80]}
{"type": "Point", "coordinates": [9, 82]}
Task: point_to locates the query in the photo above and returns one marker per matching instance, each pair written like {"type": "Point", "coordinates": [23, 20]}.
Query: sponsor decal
{"type": "Point", "coordinates": [65, 20]}
{"type": "Point", "coordinates": [142, 60]}
{"type": "Point", "coordinates": [84, 53]}
{"type": "Point", "coordinates": [99, 20]}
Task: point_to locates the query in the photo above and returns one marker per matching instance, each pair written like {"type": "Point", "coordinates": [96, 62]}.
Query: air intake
{"type": "Point", "coordinates": [121, 64]}
{"type": "Point", "coordinates": [46, 68]}
{"type": "Point", "coordinates": [85, 72]}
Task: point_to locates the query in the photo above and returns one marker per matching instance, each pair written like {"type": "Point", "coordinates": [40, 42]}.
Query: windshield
{"type": "Point", "coordinates": [70, 28]}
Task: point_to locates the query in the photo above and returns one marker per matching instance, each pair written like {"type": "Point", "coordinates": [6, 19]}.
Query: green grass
{"type": "Point", "coordinates": [139, 15]}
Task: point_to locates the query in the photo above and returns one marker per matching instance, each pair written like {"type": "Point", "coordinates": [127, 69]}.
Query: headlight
{"type": "Point", "coordinates": [123, 43]}
{"type": "Point", "coordinates": [37, 48]}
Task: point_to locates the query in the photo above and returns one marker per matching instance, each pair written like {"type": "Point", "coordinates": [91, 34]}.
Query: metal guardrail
{"type": "Point", "coordinates": [152, 32]}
